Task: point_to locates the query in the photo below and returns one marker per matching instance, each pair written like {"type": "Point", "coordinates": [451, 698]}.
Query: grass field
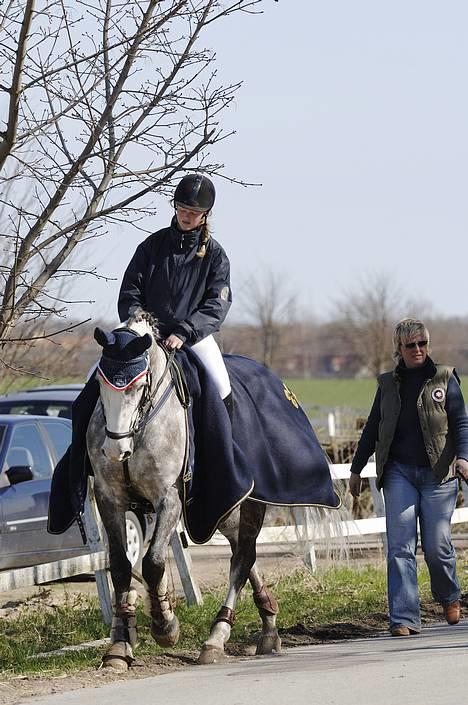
{"type": "Point", "coordinates": [318, 392]}
{"type": "Point", "coordinates": [347, 393]}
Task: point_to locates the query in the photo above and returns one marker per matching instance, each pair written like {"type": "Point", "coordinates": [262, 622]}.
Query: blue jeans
{"type": "Point", "coordinates": [411, 492]}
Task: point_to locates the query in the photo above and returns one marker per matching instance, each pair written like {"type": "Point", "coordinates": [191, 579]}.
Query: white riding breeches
{"type": "Point", "coordinates": [208, 352]}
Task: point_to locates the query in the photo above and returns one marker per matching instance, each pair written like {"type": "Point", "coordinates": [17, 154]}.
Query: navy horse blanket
{"type": "Point", "coordinates": [272, 455]}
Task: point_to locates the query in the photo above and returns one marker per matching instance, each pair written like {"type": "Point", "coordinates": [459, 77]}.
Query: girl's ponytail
{"type": "Point", "coordinates": [204, 237]}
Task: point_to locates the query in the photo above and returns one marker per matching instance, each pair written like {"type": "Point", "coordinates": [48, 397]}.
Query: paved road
{"type": "Point", "coordinates": [430, 669]}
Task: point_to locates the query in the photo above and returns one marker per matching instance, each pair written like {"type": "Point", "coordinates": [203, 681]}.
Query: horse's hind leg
{"type": "Point", "coordinates": [123, 631]}
{"type": "Point", "coordinates": [164, 623]}
{"type": "Point", "coordinates": [268, 609]}
{"type": "Point", "coordinates": [242, 536]}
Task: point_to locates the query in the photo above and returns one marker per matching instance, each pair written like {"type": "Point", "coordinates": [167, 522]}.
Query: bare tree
{"type": "Point", "coordinates": [270, 307]}
{"type": "Point", "coordinates": [103, 104]}
{"type": "Point", "coordinates": [365, 319]}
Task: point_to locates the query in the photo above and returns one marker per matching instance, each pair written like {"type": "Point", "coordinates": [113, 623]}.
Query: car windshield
{"type": "Point", "coordinates": [40, 408]}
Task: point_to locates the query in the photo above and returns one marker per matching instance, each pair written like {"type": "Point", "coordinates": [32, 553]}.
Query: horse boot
{"type": "Point", "coordinates": [229, 404]}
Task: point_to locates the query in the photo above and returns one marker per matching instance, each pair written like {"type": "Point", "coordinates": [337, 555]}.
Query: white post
{"type": "Point", "coordinates": [183, 561]}
{"type": "Point", "coordinates": [95, 533]}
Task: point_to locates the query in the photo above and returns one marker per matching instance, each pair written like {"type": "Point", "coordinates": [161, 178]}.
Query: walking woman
{"type": "Point", "coordinates": [180, 274]}
{"type": "Point", "coordinates": [417, 427]}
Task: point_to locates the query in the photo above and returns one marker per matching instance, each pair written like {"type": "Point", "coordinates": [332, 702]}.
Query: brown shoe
{"type": "Point", "coordinates": [400, 631]}
{"type": "Point", "coordinates": [452, 612]}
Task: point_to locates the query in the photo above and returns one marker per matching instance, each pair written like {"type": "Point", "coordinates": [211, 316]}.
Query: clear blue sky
{"type": "Point", "coordinates": [354, 117]}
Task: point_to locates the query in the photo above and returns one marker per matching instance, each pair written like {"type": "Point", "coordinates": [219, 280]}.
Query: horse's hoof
{"type": "Point", "coordinates": [118, 656]}
{"type": "Point", "coordinates": [210, 654]}
{"type": "Point", "coordinates": [117, 663]}
{"type": "Point", "coordinates": [268, 645]}
{"type": "Point", "coordinates": [167, 636]}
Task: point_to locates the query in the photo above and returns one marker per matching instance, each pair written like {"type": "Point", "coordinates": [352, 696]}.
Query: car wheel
{"type": "Point", "coordinates": [135, 541]}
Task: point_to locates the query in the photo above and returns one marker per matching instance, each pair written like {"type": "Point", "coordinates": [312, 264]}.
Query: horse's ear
{"type": "Point", "coordinates": [103, 338]}
{"type": "Point", "coordinates": [139, 345]}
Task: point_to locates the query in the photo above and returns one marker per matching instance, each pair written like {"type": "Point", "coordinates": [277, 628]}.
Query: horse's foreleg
{"type": "Point", "coordinates": [268, 609]}
{"type": "Point", "coordinates": [242, 539]}
{"type": "Point", "coordinates": [123, 631]}
{"type": "Point", "coordinates": [164, 623]}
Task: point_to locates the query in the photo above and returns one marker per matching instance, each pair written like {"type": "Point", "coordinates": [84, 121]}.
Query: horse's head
{"type": "Point", "coordinates": [122, 372]}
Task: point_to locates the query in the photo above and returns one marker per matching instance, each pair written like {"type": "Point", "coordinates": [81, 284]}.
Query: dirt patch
{"type": "Point", "coordinates": [20, 688]}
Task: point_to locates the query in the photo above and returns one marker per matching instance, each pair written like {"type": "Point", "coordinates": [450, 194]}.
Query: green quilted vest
{"type": "Point", "coordinates": [432, 417]}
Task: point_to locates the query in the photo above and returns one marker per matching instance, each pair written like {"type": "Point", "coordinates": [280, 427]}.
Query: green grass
{"type": "Point", "coordinates": [328, 597]}
{"type": "Point", "coordinates": [19, 384]}
{"type": "Point", "coordinates": [351, 393]}
{"type": "Point", "coordinates": [345, 393]}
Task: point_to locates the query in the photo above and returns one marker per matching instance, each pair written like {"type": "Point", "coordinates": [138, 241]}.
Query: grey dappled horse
{"type": "Point", "coordinates": [122, 433]}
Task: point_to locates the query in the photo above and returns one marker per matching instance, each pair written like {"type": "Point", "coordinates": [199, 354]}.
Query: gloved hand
{"type": "Point", "coordinates": [461, 468]}
{"type": "Point", "coordinates": [355, 484]}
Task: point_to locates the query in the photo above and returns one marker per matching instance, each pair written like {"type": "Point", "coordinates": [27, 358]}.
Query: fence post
{"type": "Point", "coordinates": [184, 566]}
{"type": "Point", "coordinates": [96, 542]}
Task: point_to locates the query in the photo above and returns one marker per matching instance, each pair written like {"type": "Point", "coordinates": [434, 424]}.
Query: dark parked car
{"type": "Point", "coordinates": [30, 446]}
{"type": "Point", "coordinates": [53, 402]}
{"type": "Point", "coordinates": [43, 401]}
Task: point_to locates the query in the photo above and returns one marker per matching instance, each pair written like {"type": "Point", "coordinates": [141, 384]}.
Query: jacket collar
{"type": "Point", "coordinates": [182, 239]}
{"type": "Point", "coordinates": [429, 369]}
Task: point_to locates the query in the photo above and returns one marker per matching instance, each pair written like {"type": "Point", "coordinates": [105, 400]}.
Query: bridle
{"type": "Point", "coordinates": [120, 375]}
{"type": "Point", "coordinates": [147, 410]}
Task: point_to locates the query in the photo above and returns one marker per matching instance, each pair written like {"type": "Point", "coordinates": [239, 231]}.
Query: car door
{"type": "Point", "coordinates": [25, 540]}
{"type": "Point", "coordinates": [24, 505]}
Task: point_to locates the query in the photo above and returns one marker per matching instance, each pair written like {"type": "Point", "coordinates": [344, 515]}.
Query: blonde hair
{"type": "Point", "coordinates": [204, 237]}
{"type": "Point", "coordinates": [406, 329]}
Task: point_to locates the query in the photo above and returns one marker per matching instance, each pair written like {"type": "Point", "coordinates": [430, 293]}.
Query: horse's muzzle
{"type": "Point", "coordinates": [118, 447]}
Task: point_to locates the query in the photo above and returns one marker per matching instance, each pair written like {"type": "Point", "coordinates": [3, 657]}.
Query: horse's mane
{"type": "Point", "coordinates": [140, 316]}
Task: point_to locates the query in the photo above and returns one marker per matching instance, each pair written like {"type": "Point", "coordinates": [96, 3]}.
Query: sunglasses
{"type": "Point", "coordinates": [419, 343]}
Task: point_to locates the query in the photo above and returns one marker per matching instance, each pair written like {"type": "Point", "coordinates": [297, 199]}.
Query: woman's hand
{"type": "Point", "coordinates": [461, 468]}
{"type": "Point", "coordinates": [355, 484]}
{"type": "Point", "coordinates": [173, 342]}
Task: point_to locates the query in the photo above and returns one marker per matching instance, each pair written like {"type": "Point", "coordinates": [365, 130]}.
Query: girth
{"type": "Point", "coordinates": [135, 501]}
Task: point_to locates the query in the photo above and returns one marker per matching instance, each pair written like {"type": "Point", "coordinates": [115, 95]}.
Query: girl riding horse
{"type": "Point", "coordinates": [180, 275]}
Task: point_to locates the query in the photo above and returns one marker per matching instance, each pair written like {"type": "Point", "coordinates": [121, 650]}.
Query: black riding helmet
{"type": "Point", "coordinates": [195, 191]}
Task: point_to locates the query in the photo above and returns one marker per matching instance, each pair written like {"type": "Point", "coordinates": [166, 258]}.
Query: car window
{"type": "Point", "coordinates": [39, 408]}
{"type": "Point", "coordinates": [27, 447]}
{"type": "Point", "coordinates": [2, 433]}
{"type": "Point", "coordinates": [60, 435]}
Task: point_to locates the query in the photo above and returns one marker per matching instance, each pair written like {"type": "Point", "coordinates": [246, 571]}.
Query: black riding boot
{"type": "Point", "coordinates": [228, 403]}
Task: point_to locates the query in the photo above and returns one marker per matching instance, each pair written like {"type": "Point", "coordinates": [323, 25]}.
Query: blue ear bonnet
{"type": "Point", "coordinates": [124, 359]}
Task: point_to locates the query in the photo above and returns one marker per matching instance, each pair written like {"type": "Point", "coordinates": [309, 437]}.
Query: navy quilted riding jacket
{"type": "Point", "coordinates": [188, 295]}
